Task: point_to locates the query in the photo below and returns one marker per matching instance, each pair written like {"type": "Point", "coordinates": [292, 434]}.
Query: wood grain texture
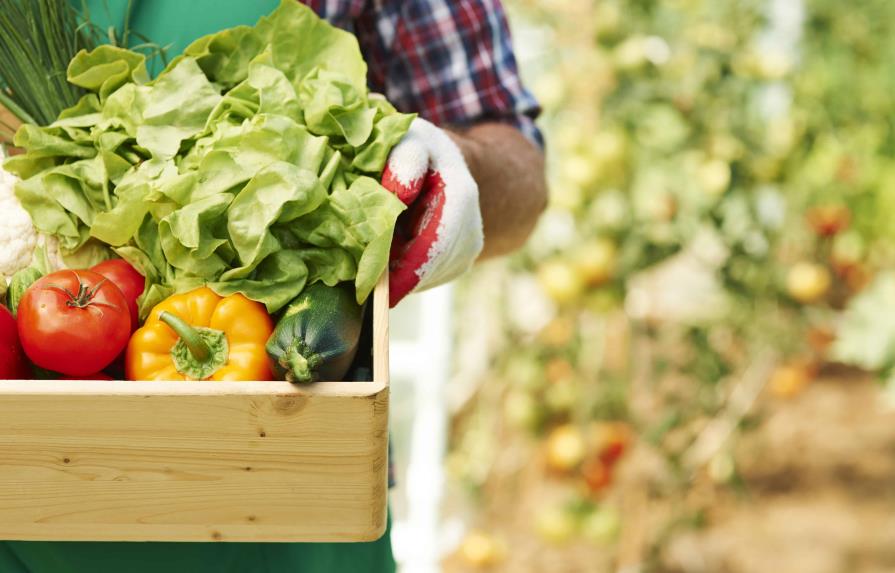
{"type": "Point", "coordinates": [197, 461]}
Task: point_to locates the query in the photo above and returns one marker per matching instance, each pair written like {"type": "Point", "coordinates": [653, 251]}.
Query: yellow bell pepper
{"type": "Point", "coordinates": [199, 335]}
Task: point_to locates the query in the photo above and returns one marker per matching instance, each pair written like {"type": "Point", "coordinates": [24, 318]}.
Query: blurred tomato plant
{"type": "Point", "coordinates": [721, 200]}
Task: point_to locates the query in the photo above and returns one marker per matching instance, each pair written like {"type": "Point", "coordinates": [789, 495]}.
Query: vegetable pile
{"type": "Point", "coordinates": [249, 165]}
{"type": "Point", "coordinates": [80, 324]}
{"type": "Point", "coordinates": [239, 185]}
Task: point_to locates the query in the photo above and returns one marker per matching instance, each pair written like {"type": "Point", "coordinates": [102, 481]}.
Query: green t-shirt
{"type": "Point", "coordinates": [174, 24]}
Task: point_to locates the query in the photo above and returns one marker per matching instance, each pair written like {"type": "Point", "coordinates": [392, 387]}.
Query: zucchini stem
{"type": "Point", "coordinates": [298, 367]}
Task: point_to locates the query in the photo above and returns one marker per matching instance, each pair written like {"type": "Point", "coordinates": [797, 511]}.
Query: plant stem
{"type": "Point", "coordinates": [190, 336]}
{"type": "Point", "coordinates": [7, 102]}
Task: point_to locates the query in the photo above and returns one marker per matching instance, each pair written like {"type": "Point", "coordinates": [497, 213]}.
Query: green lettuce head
{"type": "Point", "coordinates": [250, 164]}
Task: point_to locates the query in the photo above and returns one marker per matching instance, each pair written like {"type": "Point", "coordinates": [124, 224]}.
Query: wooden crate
{"type": "Point", "coordinates": [197, 461]}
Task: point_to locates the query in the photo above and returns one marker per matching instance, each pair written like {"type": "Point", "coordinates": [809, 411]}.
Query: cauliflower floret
{"type": "Point", "coordinates": [18, 237]}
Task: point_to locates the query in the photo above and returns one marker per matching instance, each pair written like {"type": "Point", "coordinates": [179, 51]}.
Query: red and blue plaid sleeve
{"type": "Point", "coordinates": [451, 61]}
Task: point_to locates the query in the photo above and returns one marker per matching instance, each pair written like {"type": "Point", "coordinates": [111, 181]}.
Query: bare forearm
{"type": "Point", "coordinates": [509, 170]}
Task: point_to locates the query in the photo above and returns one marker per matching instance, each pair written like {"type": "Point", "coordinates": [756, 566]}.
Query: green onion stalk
{"type": "Point", "coordinates": [40, 37]}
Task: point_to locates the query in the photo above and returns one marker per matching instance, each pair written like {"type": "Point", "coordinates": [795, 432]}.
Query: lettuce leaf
{"type": "Point", "coordinates": [250, 164]}
{"type": "Point", "coordinates": [105, 69]}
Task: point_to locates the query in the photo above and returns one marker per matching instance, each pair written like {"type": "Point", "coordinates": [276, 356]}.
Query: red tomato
{"type": "Point", "coordinates": [597, 475]}
{"type": "Point", "coordinates": [829, 220]}
{"type": "Point", "coordinates": [13, 365]}
{"type": "Point", "coordinates": [73, 322]}
{"type": "Point", "coordinates": [127, 279]}
{"type": "Point", "coordinates": [611, 440]}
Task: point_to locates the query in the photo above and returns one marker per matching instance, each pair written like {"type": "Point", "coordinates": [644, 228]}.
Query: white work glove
{"type": "Point", "coordinates": [440, 235]}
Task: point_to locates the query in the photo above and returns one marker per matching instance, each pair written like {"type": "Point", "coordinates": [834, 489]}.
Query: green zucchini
{"type": "Point", "coordinates": [317, 337]}
{"type": "Point", "coordinates": [18, 285]}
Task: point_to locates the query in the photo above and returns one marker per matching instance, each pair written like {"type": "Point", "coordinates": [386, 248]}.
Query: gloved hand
{"type": "Point", "coordinates": [439, 236]}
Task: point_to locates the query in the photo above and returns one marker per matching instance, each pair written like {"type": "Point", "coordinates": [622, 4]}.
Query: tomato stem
{"type": "Point", "coordinates": [189, 335]}
{"type": "Point", "coordinates": [85, 295]}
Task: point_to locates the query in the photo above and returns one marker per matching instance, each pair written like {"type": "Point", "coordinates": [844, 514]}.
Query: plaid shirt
{"type": "Point", "coordinates": [451, 61]}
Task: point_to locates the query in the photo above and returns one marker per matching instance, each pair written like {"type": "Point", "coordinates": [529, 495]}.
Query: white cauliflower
{"type": "Point", "coordinates": [18, 237]}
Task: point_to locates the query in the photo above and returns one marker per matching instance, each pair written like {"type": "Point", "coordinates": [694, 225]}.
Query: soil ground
{"type": "Point", "coordinates": [816, 494]}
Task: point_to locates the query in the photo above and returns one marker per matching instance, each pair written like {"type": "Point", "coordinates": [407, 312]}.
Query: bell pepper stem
{"type": "Point", "coordinates": [190, 336]}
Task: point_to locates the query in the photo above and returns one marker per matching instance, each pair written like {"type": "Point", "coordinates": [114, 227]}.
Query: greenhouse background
{"type": "Point", "coordinates": [688, 368]}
